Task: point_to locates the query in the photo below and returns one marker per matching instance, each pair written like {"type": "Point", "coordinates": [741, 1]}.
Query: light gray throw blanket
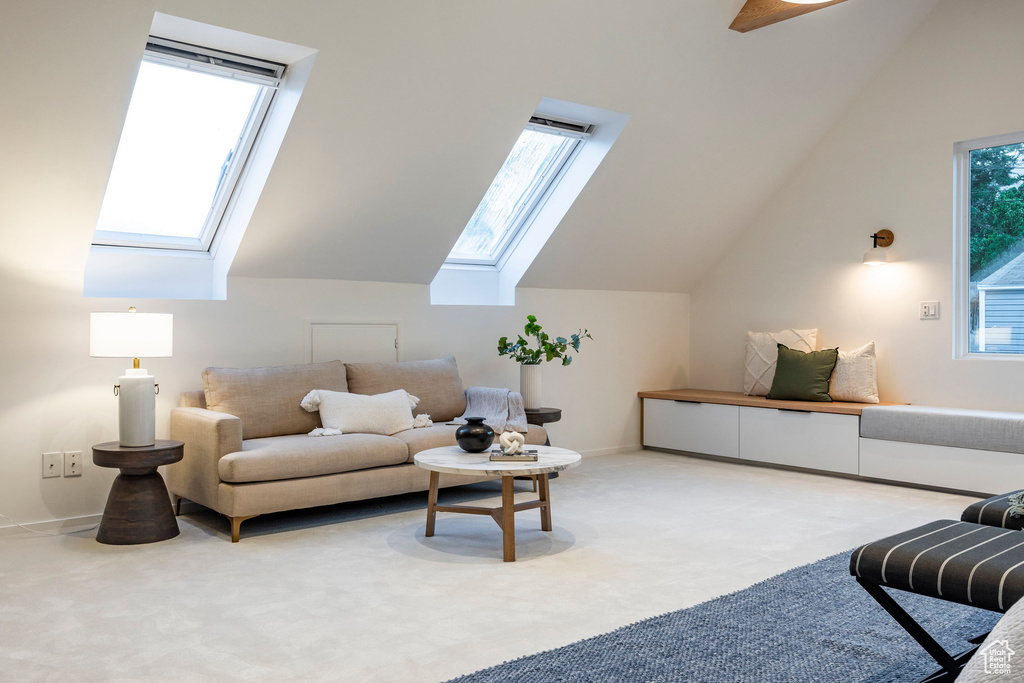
{"type": "Point", "coordinates": [501, 409]}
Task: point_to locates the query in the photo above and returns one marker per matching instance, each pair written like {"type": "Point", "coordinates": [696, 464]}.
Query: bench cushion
{"type": "Point", "coordinates": [972, 564]}
{"type": "Point", "coordinates": [292, 457]}
{"type": "Point", "coordinates": [981, 429]}
{"type": "Point", "coordinates": [994, 511]}
{"type": "Point", "coordinates": [267, 399]}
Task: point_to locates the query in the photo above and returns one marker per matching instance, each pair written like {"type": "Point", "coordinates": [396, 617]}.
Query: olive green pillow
{"type": "Point", "coordinates": [803, 376]}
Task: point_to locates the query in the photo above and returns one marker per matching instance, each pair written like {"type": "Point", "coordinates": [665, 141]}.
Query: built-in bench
{"type": "Point", "coordinates": [969, 450]}
{"type": "Point", "coordinates": [964, 450]}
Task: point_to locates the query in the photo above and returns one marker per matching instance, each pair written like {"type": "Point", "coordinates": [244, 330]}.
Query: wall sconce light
{"type": "Point", "coordinates": [876, 255]}
{"type": "Point", "coordinates": [131, 335]}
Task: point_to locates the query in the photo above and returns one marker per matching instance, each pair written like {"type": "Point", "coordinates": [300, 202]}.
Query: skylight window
{"type": "Point", "coordinates": [533, 167]}
{"type": "Point", "coordinates": [193, 119]}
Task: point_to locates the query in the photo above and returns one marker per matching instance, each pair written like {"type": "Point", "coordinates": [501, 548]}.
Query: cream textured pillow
{"type": "Point", "coordinates": [855, 377]}
{"type": "Point", "coordinates": [763, 354]}
{"type": "Point", "coordinates": [347, 413]}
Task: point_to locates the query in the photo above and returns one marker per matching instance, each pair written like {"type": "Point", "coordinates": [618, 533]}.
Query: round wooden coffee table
{"type": "Point", "coordinates": [138, 507]}
{"type": "Point", "coordinates": [454, 460]}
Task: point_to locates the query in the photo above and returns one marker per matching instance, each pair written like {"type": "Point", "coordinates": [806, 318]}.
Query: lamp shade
{"type": "Point", "coordinates": [875, 256]}
{"type": "Point", "coordinates": [130, 335]}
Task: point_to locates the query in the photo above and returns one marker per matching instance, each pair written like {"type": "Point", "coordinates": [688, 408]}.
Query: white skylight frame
{"type": "Point", "coordinates": [574, 135]}
{"type": "Point", "coordinates": [463, 284]}
{"type": "Point", "coordinates": [268, 76]}
{"type": "Point", "coordinates": [148, 273]}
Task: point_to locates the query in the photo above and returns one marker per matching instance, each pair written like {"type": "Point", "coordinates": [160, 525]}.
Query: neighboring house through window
{"type": "Point", "coordinates": [990, 246]}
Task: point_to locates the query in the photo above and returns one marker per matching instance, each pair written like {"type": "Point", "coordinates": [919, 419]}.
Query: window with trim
{"type": "Point", "coordinates": [990, 245]}
{"type": "Point", "coordinates": [543, 152]}
{"type": "Point", "coordinates": [194, 118]}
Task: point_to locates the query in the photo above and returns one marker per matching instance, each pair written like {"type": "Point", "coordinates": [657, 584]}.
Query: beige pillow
{"type": "Point", "coordinates": [267, 399]}
{"type": "Point", "coordinates": [855, 377]}
{"type": "Point", "coordinates": [385, 414]}
{"type": "Point", "coordinates": [436, 382]}
{"type": "Point", "coordinates": [763, 353]}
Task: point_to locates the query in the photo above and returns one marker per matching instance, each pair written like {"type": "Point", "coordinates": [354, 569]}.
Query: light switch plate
{"type": "Point", "coordinates": [52, 464]}
{"type": "Point", "coordinates": [72, 463]}
{"type": "Point", "coordinates": [929, 310]}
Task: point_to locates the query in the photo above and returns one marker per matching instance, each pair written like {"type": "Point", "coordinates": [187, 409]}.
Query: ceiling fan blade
{"type": "Point", "coordinates": [759, 13]}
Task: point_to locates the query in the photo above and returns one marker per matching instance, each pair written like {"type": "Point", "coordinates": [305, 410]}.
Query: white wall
{"type": "Point", "coordinates": [54, 397]}
{"type": "Point", "coordinates": [887, 163]}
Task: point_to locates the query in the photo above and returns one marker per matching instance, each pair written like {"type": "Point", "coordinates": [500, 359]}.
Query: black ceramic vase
{"type": "Point", "coordinates": [474, 437]}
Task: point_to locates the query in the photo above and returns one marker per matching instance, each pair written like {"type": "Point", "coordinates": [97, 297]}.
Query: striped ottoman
{"type": "Point", "coordinates": [994, 511]}
{"type": "Point", "coordinates": [973, 564]}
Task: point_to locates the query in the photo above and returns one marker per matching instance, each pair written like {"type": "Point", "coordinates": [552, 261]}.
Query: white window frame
{"type": "Point", "coordinates": [148, 273]}
{"type": "Point", "coordinates": [962, 245]}
{"type": "Point", "coordinates": [460, 284]}
{"type": "Point", "coordinates": [262, 72]}
{"type": "Point", "coordinates": [576, 130]}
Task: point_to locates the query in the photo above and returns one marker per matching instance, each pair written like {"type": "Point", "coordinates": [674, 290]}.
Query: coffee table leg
{"type": "Point", "coordinates": [508, 519]}
{"type": "Point", "coordinates": [432, 503]}
{"type": "Point", "coordinates": [545, 497]}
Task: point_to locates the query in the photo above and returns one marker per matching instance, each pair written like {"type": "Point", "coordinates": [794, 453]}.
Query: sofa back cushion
{"type": "Point", "coordinates": [435, 382]}
{"type": "Point", "coordinates": [267, 399]}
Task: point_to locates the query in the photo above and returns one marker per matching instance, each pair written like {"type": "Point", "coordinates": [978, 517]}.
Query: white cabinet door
{"type": "Point", "coordinates": [696, 427]}
{"type": "Point", "coordinates": [820, 441]}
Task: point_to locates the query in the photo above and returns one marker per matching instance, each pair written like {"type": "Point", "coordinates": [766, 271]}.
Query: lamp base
{"type": "Point", "coordinates": [136, 408]}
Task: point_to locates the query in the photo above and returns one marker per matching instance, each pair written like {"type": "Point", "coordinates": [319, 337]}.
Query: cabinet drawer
{"type": "Point", "coordinates": [696, 427]}
{"type": "Point", "coordinates": [820, 441]}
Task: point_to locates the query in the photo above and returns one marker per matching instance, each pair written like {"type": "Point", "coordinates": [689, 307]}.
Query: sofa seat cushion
{"type": "Point", "coordinates": [435, 382]}
{"type": "Point", "coordinates": [419, 440]}
{"type": "Point", "coordinates": [267, 399]}
{"type": "Point", "coordinates": [985, 430]}
{"type": "Point", "coordinates": [295, 456]}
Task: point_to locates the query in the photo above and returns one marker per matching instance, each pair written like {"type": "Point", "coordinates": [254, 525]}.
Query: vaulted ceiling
{"type": "Point", "coordinates": [413, 104]}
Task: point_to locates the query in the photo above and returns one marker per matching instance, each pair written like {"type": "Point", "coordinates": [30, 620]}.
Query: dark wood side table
{"type": "Point", "coordinates": [138, 507]}
{"type": "Point", "coordinates": [542, 416]}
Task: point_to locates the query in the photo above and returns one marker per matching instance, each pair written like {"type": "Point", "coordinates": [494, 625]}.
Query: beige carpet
{"type": "Point", "coordinates": [356, 593]}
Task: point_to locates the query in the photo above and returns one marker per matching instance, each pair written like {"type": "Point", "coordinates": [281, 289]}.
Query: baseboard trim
{"type": "Point", "coordinates": [612, 451]}
{"type": "Point", "coordinates": [66, 524]}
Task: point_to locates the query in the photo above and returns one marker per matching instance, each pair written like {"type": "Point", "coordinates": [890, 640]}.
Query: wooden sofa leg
{"type": "Point", "coordinates": [236, 526]}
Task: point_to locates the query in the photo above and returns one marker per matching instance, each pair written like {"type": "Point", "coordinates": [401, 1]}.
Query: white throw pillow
{"type": "Point", "coordinates": [763, 354]}
{"type": "Point", "coordinates": [385, 414]}
{"type": "Point", "coordinates": [855, 377]}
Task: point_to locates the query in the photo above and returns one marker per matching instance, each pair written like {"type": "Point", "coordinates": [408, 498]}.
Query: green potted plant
{"type": "Point", "coordinates": [529, 359]}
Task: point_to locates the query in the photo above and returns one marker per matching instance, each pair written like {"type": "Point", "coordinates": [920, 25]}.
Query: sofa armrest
{"type": "Point", "coordinates": [208, 436]}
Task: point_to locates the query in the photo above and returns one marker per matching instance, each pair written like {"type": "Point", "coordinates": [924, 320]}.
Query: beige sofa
{"type": "Point", "coordinates": [247, 449]}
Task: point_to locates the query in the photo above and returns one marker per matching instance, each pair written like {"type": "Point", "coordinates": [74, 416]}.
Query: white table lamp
{"type": "Point", "coordinates": [133, 335]}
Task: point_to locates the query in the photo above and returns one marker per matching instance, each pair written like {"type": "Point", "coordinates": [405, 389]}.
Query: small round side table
{"type": "Point", "coordinates": [138, 508]}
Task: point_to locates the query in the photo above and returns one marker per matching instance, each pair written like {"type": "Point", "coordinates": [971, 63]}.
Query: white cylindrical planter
{"type": "Point", "coordinates": [529, 386]}
{"type": "Point", "coordinates": [136, 408]}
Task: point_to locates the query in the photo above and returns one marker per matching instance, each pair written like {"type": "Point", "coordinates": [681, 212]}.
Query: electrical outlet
{"type": "Point", "coordinates": [52, 464]}
{"type": "Point", "coordinates": [929, 310]}
{"type": "Point", "coordinates": [72, 463]}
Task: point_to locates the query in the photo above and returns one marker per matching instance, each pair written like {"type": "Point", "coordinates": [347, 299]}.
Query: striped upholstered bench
{"type": "Point", "coordinates": [973, 564]}
{"type": "Point", "coordinates": [994, 511]}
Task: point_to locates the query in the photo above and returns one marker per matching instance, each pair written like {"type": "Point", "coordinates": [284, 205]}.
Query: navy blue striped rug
{"type": "Point", "coordinates": [812, 623]}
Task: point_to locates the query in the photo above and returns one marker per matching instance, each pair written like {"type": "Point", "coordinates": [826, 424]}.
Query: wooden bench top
{"type": "Point", "coordinates": [736, 399]}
